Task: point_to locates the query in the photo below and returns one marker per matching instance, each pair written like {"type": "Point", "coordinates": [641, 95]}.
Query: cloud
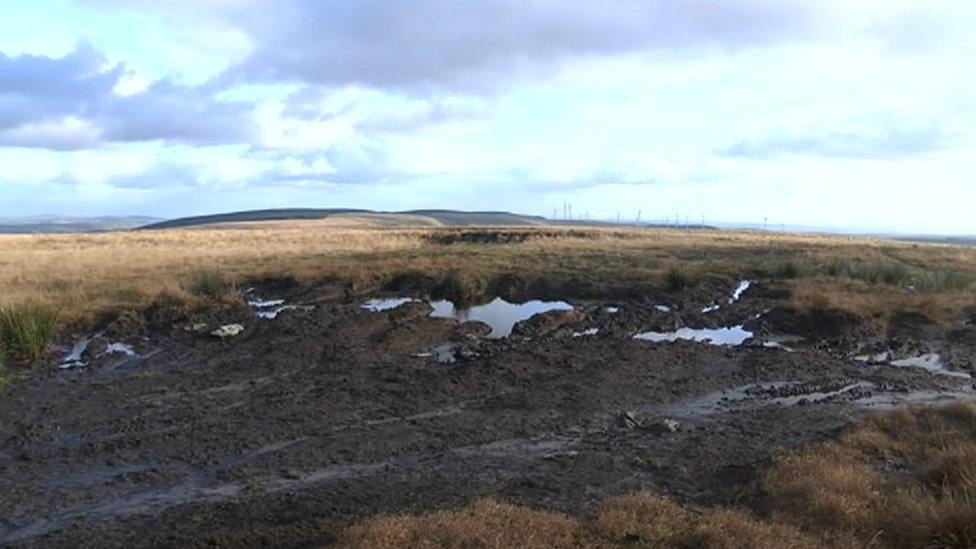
{"type": "Point", "coordinates": [172, 112]}
{"type": "Point", "coordinates": [478, 46]}
{"type": "Point", "coordinates": [62, 135]}
{"type": "Point", "coordinates": [34, 88]}
{"type": "Point", "coordinates": [70, 103]}
{"type": "Point", "coordinates": [421, 114]}
{"type": "Point", "coordinates": [885, 144]}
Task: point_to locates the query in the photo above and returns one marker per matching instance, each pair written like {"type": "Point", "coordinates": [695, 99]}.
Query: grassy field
{"type": "Point", "coordinates": [902, 479]}
{"type": "Point", "coordinates": [82, 276]}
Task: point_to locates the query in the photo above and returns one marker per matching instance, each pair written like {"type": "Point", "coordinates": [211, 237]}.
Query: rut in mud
{"type": "Point", "coordinates": [333, 409]}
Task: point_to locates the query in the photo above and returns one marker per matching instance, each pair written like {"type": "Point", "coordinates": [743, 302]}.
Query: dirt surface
{"type": "Point", "coordinates": [329, 412]}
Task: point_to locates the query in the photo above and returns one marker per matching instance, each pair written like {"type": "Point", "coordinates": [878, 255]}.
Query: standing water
{"type": "Point", "coordinates": [733, 336]}
{"type": "Point", "coordinates": [499, 314]}
{"type": "Point", "coordinates": [379, 305]}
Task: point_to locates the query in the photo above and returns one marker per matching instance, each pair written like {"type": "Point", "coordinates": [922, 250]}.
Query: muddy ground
{"type": "Point", "coordinates": [330, 412]}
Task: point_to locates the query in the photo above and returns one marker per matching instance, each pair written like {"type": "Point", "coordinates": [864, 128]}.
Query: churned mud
{"type": "Point", "coordinates": [327, 407]}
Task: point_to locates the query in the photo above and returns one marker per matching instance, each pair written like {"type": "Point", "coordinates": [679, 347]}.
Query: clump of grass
{"type": "Point", "coordinates": [460, 289]}
{"type": "Point", "coordinates": [27, 330]}
{"type": "Point", "coordinates": [788, 270]}
{"type": "Point", "coordinates": [678, 280]}
{"type": "Point", "coordinates": [169, 307]}
{"type": "Point", "coordinates": [208, 283]}
{"type": "Point", "coordinates": [944, 281]}
{"type": "Point", "coordinates": [872, 273]}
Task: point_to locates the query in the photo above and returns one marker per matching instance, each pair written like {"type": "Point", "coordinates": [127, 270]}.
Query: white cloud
{"type": "Point", "coordinates": [748, 108]}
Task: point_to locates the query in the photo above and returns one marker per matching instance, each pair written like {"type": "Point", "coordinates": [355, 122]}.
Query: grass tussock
{"type": "Point", "coordinates": [945, 281]}
{"type": "Point", "coordinates": [463, 288]}
{"type": "Point", "coordinates": [678, 279]}
{"type": "Point", "coordinates": [208, 283]}
{"type": "Point", "coordinates": [214, 285]}
{"type": "Point", "coordinates": [872, 273]}
{"type": "Point", "coordinates": [848, 485]}
{"type": "Point", "coordinates": [902, 479]}
{"type": "Point", "coordinates": [789, 270]}
{"type": "Point", "coordinates": [26, 331]}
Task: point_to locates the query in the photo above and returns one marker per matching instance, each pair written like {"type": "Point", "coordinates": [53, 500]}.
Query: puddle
{"type": "Point", "coordinates": [378, 305]}
{"type": "Point", "coordinates": [741, 289]}
{"type": "Point", "coordinates": [73, 360]}
{"type": "Point", "coordinates": [770, 394]}
{"type": "Point", "coordinates": [875, 358]}
{"type": "Point", "coordinates": [119, 348]}
{"type": "Point", "coordinates": [264, 303]}
{"type": "Point", "coordinates": [269, 309]}
{"type": "Point", "coordinates": [733, 336]}
{"type": "Point", "coordinates": [587, 332]}
{"type": "Point", "coordinates": [714, 401]}
{"type": "Point", "coordinates": [780, 342]}
{"type": "Point", "coordinates": [925, 396]}
{"type": "Point", "coordinates": [820, 396]}
{"type": "Point", "coordinates": [273, 314]}
{"type": "Point", "coordinates": [499, 314]}
{"type": "Point", "coordinates": [931, 362]}
{"type": "Point", "coordinates": [792, 393]}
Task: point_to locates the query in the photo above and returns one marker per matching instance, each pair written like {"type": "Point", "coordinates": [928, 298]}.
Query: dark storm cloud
{"type": "Point", "coordinates": [173, 112]}
{"type": "Point", "coordinates": [34, 87]}
{"type": "Point", "coordinates": [38, 93]}
{"type": "Point", "coordinates": [477, 46]}
{"type": "Point", "coordinates": [897, 143]}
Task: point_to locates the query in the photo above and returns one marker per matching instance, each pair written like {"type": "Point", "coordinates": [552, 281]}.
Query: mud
{"type": "Point", "coordinates": [323, 415]}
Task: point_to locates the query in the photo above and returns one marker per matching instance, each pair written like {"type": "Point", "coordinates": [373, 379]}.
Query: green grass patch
{"type": "Point", "coordinates": [27, 330]}
{"type": "Point", "coordinates": [872, 273]}
{"type": "Point", "coordinates": [461, 289]}
{"type": "Point", "coordinates": [944, 281]}
{"type": "Point", "coordinates": [677, 280]}
{"type": "Point", "coordinates": [788, 270]}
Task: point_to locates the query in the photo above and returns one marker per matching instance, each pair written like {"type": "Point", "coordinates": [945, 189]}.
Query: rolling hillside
{"type": "Point", "coordinates": [407, 218]}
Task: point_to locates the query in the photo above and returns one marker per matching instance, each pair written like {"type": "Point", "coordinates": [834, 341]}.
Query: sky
{"type": "Point", "coordinates": [828, 113]}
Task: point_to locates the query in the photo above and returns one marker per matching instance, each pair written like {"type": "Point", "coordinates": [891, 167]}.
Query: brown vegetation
{"type": "Point", "coordinates": [83, 275]}
{"type": "Point", "coordinates": [902, 479]}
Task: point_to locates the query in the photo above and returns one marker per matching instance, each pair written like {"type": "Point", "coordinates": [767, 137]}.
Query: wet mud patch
{"type": "Point", "coordinates": [830, 325]}
{"type": "Point", "coordinates": [321, 417]}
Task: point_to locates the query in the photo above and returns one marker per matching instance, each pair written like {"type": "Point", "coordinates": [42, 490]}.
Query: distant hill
{"type": "Point", "coordinates": [954, 240]}
{"type": "Point", "coordinates": [55, 224]}
{"type": "Point", "coordinates": [412, 217]}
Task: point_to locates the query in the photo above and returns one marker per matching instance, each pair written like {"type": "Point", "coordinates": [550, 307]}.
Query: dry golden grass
{"type": "Point", "coordinates": [902, 479]}
{"type": "Point", "coordinates": [82, 275]}
{"type": "Point", "coordinates": [486, 523]}
{"type": "Point", "coordinates": [907, 478]}
{"type": "Point", "coordinates": [639, 520]}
